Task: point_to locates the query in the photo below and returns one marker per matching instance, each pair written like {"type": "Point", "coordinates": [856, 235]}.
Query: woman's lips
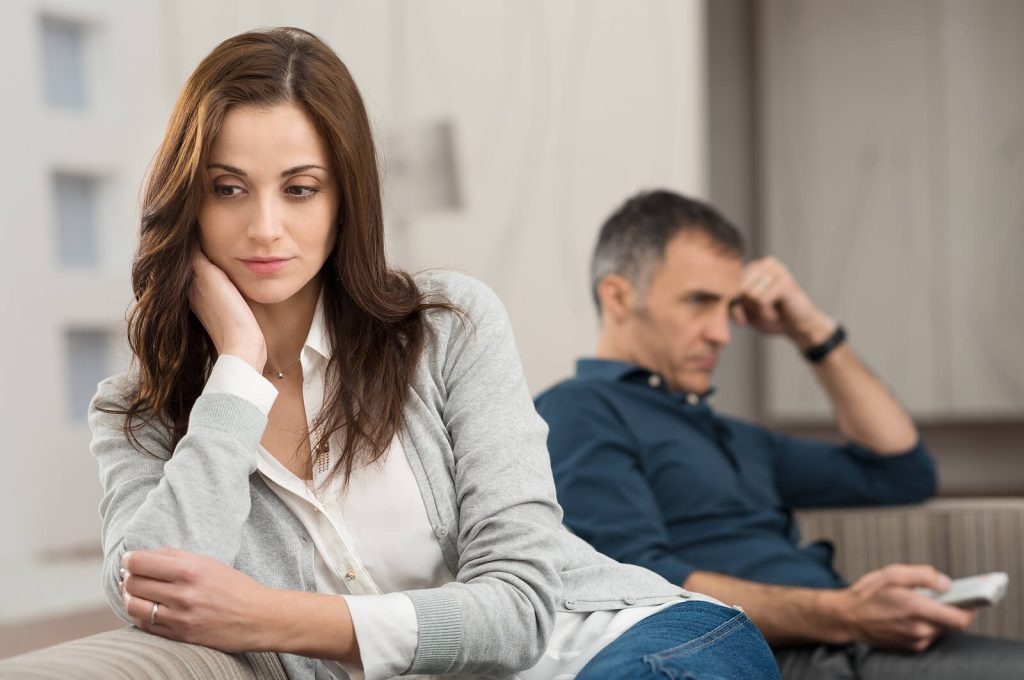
{"type": "Point", "coordinates": [265, 265]}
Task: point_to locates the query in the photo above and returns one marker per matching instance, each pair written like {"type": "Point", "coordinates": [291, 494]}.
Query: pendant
{"type": "Point", "coordinates": [280, 375]}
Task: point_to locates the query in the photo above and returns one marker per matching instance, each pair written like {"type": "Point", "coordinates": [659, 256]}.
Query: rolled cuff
{"type": "Point", "coordinates": [386, 632]}
{"type": "Point", "coordinates": [233, 375]}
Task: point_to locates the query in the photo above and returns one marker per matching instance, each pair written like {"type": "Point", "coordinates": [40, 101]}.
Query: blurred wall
{"type": "Point", "coordinates": [557, 111]}
{"type": "Point", "coordinates": [84, 104]}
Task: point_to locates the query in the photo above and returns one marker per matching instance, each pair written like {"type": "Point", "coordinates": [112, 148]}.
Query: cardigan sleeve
{"type": "Point", "coordinates": [194, 498]}
{"type": "Point", "coordinates": [497, 617]}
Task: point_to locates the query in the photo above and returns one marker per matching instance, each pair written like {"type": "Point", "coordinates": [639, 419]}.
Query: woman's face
{"type": "Point", "coordinates": [270, 203]}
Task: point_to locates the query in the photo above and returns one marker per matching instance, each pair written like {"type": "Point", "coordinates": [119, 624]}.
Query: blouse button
{"type": "Point", "coordinates": [654, 381]}
{"type": "Point", "coordinates": [570, 604]}
{"type": "Point", "coordinates": [350, 576]}
{"type": "Point", "coordinates": [441, 532]}
{"type": "Point", "coordinates": [629, 601]}
{"type": "Point", "coordinates": [692, 399]}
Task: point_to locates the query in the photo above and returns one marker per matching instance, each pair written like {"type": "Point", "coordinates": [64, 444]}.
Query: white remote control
{"type": "Point", "coordinates": [972, 591]}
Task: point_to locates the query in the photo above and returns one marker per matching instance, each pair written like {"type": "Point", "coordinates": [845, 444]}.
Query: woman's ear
{"type": "Point", "coordinates": [617, 297]}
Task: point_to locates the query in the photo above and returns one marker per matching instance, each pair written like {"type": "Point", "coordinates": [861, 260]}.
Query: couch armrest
{"type": "Point", "coordinates": [959, 536]}
{"type": "Point", "coordinates": [131, 654]}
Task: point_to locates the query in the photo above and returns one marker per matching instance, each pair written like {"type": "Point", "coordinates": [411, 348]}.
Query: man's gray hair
{"type": "Point", "coordinates": [633, 239]}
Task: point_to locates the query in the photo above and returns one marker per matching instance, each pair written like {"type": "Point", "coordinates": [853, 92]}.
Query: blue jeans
{"type": "Point", "coordinates": [687, 641]}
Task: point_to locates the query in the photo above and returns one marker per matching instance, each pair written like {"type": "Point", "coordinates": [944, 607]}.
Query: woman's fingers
{"type": "Point", "coordinates": [141, 612]}
{"type": "Point", "coordinates": [159, 565]}
{"type": "Point", "coordinates": [153, 590]}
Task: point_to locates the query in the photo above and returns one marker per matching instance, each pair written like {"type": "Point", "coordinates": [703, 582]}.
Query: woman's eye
{"type": "Point", "coordinates": [226, 190]}
{"type": "Point", "coordinates": [301, 191]}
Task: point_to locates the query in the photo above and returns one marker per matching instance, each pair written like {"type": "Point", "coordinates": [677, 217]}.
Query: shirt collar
{"type": "Point", "coordinates": [620, 371]}
{"type": "Point", "coordinates": [318, 339]}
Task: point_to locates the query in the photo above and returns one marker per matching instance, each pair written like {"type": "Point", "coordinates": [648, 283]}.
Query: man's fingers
{"type": "Point", "coordinates": [944, 616]}
{"type": "Point", "coordinates": [761, 307]}
{"type": "Point", "coordinates": [916, 576]}
{"type": "Point", "coordinates": [739, 314]}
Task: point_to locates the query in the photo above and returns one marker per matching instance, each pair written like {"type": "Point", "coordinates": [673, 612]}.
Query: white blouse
{"type": "Point", "coordinates": [373, 539]}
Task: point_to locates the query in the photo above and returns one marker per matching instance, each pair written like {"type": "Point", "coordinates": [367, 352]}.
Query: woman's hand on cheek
{"type": "Point", "coordinates": [201, 600]}
{"type": "Point", "coordinates": [225, 314]}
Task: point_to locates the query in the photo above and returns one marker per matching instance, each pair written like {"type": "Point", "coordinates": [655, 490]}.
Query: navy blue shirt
{"type": "Point", "coordinates": [658, 479]}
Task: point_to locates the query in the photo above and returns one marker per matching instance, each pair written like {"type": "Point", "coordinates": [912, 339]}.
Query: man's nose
{"type": "Point", "coordinates": [265, 225]}
{"type": "Point", "coordinates": [719, 331]}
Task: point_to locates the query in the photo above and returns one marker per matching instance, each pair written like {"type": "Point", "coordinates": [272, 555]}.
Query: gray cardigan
{"type": "Point", "coordinates": [478, 451]}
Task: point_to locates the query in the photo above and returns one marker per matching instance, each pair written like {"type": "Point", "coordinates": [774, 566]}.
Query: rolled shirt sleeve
{"type": "Point", "coordinates": [233, 375]}
{"type": "Point", "coordinates": [815, 473]}
{"type": "Point", "coordinates": [386, 632]}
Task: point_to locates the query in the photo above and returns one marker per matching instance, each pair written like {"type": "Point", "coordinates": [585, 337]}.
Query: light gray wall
{"type": "Point", "coordinates": [976, 455]}
{"type": "Point", "coordinates": [559, 111]}
{"type": "Point", "coordinates": [732, 177]}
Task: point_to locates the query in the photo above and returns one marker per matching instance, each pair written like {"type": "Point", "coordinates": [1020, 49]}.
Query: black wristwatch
{"type": "Point", "coordinates": [818, 352]}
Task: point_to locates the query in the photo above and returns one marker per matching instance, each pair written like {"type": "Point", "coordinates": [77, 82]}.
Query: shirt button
{"type": "Point", "coordinates": [570, 604]}
{"type": "Point", "coordinates": [441, 532]}
{"type": "Point", "coordinates": [629, 601]}
{"type": "Point", "coordinates": [350, 576]}
{"type": "Point", "coordinates": [654, 381]}
{"type": "Point", "coordinates": [692, 399]}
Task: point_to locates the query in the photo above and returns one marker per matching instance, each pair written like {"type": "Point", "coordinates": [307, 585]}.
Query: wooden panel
{"type": "Point", "coordinates": [847, 197]}
{"type": "Point", "coordinates": [983, 100]}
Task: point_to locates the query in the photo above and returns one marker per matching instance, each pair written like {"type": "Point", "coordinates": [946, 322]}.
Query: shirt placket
{"type": "Point", "coordinates": [341, 555]}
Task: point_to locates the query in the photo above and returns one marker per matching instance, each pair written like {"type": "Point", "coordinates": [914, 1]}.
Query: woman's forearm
{"type": "Point", "coordinates": [309, 624]}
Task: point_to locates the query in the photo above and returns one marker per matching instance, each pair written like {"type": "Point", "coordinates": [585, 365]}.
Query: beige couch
{"type": "Point", "coordinates": [959, 536]}
{"type": "Point", "coordinates": [130, 654]}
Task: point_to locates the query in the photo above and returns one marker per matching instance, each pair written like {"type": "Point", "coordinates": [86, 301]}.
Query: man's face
{"type": "Point", "coordinates": [682, 325]}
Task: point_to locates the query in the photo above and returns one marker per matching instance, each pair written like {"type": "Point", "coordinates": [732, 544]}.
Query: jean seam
{"type": "Point", "coordinates": [704, 640]}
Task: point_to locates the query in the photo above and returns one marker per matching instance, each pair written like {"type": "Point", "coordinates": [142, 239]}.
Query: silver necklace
{"type": "Point", "coordinates": [281, 374]}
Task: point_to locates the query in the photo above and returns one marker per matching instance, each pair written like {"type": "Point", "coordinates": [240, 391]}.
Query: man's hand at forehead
{"type": "Point", "coordinates": [772, 301]}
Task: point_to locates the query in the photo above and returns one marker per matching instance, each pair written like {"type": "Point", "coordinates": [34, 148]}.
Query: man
{"type": "Point", "coordinates": [651, 475]}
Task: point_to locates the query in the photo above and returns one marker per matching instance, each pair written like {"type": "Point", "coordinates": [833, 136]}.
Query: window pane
{"type": "Point", "coordinates": [76, 215]}
{"type": "Point", "coordinates": [88, 362]}
{"type": "Point", "coordinates": [64, 63]}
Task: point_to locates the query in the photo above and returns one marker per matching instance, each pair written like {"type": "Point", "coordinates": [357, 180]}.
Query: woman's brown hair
{"type": "Point", "coordinates": [374, 315]}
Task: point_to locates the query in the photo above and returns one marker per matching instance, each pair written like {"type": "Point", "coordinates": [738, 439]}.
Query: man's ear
{"type": "Point", "coordinates": [618, 298]}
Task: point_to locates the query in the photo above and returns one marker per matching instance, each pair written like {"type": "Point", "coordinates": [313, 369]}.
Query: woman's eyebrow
{"type": "Point", "coordinates": [229, 168]}
{"type": "Point", "coordinates": [284, 173]}
{"type": "Point", "coordinates": [301, 168]}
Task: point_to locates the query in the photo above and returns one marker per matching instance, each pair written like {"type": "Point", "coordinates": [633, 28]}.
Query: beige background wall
{"type": "Point", "coordinates": [559, 111]}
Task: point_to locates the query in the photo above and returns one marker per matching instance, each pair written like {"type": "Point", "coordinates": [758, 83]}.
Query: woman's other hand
{"type": "Point", "coordinates": [225, 314]}
{"type": "Point", "coordinates": [205, 602]}
{"type": "Point", "coordinates": [200, 600]}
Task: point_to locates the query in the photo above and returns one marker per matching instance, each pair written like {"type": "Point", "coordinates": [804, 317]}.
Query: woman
{"type": "Point", "coordinates": [319, 456]}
